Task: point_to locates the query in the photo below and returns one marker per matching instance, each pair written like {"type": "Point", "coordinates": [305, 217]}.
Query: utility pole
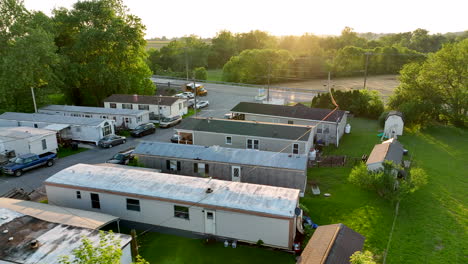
{"type": "Point", "coordinates": [34, 99]}
{"type": "Point", "coordinates": [268, 89]}
{"type": "Point", "coordinates": [195, 91]}
{"type": "Point", "coordinates": [159, 111]}
{"type": "Point", "coordinates": [186, 63]}
{"type": "Point", "coordinates": [365, 71]}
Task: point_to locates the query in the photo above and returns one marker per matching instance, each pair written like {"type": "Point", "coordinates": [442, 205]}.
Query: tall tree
{"type": "Point", "coordinates": [104, 53]}
{"type": "Point", "coordinates": [223, 47]}
{"type": "Point", "coordinates": [28, 57]}
{"type": "Point", "coordinates": [436, 89]}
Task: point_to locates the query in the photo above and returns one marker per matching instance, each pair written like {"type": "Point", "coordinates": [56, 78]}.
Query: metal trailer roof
{"type": "Point", "coordinates": [58, 214]}
{"type": "Point", "coordinates": [30, 133]}
{"type": "Point", "coordinates": [220, 154]}
{"type": "Point", "coordinates": [52, 119]}
{"type": "Point", "coordinates": [93, 110]}
{"type": "Point", "coordinates": [54, 240]}
{"type": "Point", "coordinates": [276, 201]}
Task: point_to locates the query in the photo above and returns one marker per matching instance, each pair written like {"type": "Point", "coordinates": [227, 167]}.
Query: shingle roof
{"type": "Point", "coordinates": [51, 119]}
{"type": "Point", "coordinates": [390, 150]}
{"type": "Point", "coordinates": [220, 154]}
{"type": "Point", "coordinates": [276, 201]}
{"type": "Point", "coordinates": [247, 128]}
{"type": "Point", "coordinates": [141, 99]}
{"type": "Point", "coordinates": [288, 111]}
{"type": "Point", "coordinates": [332, 244]}
{"type": "Point", "coordinates": [92, 110]}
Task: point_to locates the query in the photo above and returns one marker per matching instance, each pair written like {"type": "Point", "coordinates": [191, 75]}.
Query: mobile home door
{"type": "Point", "coordinates": [210, 222]}
{"type": "Point", "coordinates": [235, 173]}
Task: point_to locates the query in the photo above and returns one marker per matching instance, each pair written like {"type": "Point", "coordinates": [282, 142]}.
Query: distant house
{"type": "Point", "coordinates": [42, 233]}
{"type": "Point", "coordinates": [230, 210]}
{"type": "Point", "coordinates": [122, 117]}
{"type": "Point", "coordinates": [229, 164]}
{"type": "Point", "coordinates": [394, 124]}
{"type": "Point", "coordinates": [68, 127]}
{"type": "Point", "coordinates": [23, 140]}
{"type": "Point", "coordinates": [329, 126]}
{"type": "Point", "coordinates": [295, 139]}
{"type": "Point", "coordinates": [169, 106]}
{"type": "Point", "coordinates": [331, 244]}
{"type": "Point", "coordinates": [390, 150]}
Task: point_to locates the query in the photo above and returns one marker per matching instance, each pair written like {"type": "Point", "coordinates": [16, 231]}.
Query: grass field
{"type": "Point", "coordinates": [156, 44]}
{"type": "Point", "coordinates": [215, 75]}
{"type": "Point", "coordinates": [64, 152]}
{"type": "Point", "coordinates": [432, 223]}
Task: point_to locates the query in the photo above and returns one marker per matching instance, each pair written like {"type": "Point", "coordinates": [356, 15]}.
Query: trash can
{"type": "Point", "coordinates": [74, 145]}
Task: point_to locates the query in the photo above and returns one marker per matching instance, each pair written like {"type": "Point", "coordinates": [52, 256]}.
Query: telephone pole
{"type": "Point", "coordinates": [34, 99]}
{"type": "Point", "coordinates": [186, 63]}
{"type": "Point", "coordinates": [268, 89]}
{"type": "Point", "coordinates": [365, 71]}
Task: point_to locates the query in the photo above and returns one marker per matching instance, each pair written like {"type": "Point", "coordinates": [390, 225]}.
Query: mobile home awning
{"type": "Point", "coordinates": [56, 127]}
{"type": "Point", "coordinates": [58, 214]}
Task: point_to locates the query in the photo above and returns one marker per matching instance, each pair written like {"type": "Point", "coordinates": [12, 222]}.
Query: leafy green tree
{"type": "Point", "coordinates": [255, 39]}
{"type": "Point", "coordinates": [223, 47]}
{"type": "Point", "coordinates": [360, 257]}
{"type": "Point", "coordinates": [436, 89]}
{"type": "Point", "coordinates": [103, 47]}
{"type": "Point", "coordinates": [28, 57]}
{"type": "Point", "coordinates": [255, 66]}
{"type": "Point", "coordinates": [107, 251]}
{"type": "Point", "coordinates": [200, 73]}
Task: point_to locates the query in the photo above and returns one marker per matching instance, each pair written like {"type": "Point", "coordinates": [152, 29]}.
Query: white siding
{"type": "Point", "coordinates": [51, 145]}
{"type": "Point", "coordinates": [165, 110]}
{"type": "Point", "coordinates": [396, 123]}
{"type": "Point", "coordinates": [126, 257]}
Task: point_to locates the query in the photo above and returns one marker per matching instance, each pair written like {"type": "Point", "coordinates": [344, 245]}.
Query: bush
{"type": "Point", "coordinates": [382, 118]}
{"type": "Point", "coordinates": [200, 73]}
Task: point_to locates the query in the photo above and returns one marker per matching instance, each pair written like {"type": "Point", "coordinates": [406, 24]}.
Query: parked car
{"type": "Point", "coordinates": [110, 141]}
{"type": "Point", "coordinates": [188, 94]}
{"type": "Point", "coordinates": [202, 104]}
{"type": "Point", "coordinates": [29, 161]}
{"type": "Point", "coordinates": [175, 138]}
{"type": "Point", "coordinates": [170, 121]}
{"type": "Point", "coordinates": [123, 157]}
{"type": "Point", "coordinates": [181, 95]}
{"type": "Point", "coordinates": [190, 102]}
{"type": "Point", "coordinates": [143, 130]}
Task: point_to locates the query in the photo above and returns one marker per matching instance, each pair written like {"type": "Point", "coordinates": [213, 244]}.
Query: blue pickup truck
{"type": "Point", "coordinates": [29, 161]}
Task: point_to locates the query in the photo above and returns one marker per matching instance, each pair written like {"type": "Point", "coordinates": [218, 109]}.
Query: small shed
{"type": "Point", "coordinates": [389, 150]}
{"type": "Point", "coordinates": [38, 234]}
{"type": "Point", "coordinates": [394, 124]}
{"type": "Point", "coordinates": [23, 140]}
{"type": "Point", "coordinates": [230, 210]}
{"type": "Point", "coordinates": [331, 244]}
{"type": "Point", "coordinates": [122, 117]}
{"type": "Point", "coordinates": [231, 164]}
{"type": "Point", "coordinates": [68, 127]}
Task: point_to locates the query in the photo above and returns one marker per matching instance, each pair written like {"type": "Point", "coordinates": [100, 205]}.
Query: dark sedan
{"type": "Point", "coordinates": [110, 141]}
{"type": "Point", "coordinates": [143, 130]}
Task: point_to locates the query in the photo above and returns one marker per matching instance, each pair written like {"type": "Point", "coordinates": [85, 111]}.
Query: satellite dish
{"type": "Point", "coordinates": [298, 211]}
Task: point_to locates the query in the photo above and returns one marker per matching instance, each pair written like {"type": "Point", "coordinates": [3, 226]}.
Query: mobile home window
{"type": "Point", "coordinates": [326, 130]}
{"type": "Point", "coordinates": [113, 105]}
{"type": "Point", "coordinates": [35, 125]}
{"type": "Point", "coordinates": [139, 118]}
{"type": "Point", "coordinates": [107, 129]}
{"type": "Point", "coordinates": [78, 195]}
{"type": "Point", "coordinates": [133, 205]}
{"type": "Point", "coordinates": [201, 167]}
{"type": "Point", "coordinates": [44, 144]}
{"type": "Point", "coordinates": [95, 203]}
{"type": "Point", "coordinates": [229, 140]}
{"type": "Point", "coordinates": [127, 106]}
{"type": "Point", "coordinates": [143, 107]}
{"type": "Point", "coordinates": [181, 212]}
{"type": "Point", "coordinates": [173, 165]}
{"type": "Point", "coordinates": [252, 143]}
{"type": "Point", "coordinates": [290, 122]}
{"type": "Point", "coordinates": [295, 149]}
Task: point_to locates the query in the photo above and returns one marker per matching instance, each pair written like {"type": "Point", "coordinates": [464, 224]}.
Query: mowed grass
{"type": "Point", "coordinates": [215, 75]}
{"type": "Point", "coordinates": [171, 249]}
{"type": "Point", "coordinates": [156, 44]}
{"type": "Point", "coordinates": [432, 223]}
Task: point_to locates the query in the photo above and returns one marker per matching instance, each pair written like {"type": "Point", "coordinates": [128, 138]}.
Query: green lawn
{"type": "Point", "coordinates": [432, 223]}
{"type": "Point", "coordinates": [165, 249]}
{"type": "Point", "coordinates": [64, 152]}
{"type": "Point", "coordinates": [215, 75]}
{"type": "Point", "coordinates": [190, 112]}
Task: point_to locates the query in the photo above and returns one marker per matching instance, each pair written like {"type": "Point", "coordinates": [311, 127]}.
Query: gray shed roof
{"type": "Point", "coordinates": [390, 150]}
{"type": "Point", "coordinates": [301, 111]}
{"type": "Point", "coordinates": [220, 154]}
{"type": "Point", "coordinates": [247, 128]}
{"type": "Point", "coordinates": [55, 240]}
{"type": "Point", "coordinates": [275, 201]}
{"type": "Point", "coordinates": [93, 110]}
{"type": "Point", "coordinates": [51, 119]}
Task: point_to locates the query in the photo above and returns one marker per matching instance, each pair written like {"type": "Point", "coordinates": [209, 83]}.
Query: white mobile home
{"type": "Point", "coordinates": [231, 210]}
{"type": "Point", "coordinates": [25, 140]}
{"type": "Point", "coordinates": [68, 127]}
{"type": "Point", "coordinates": [329, 125]}
{"type": "Point", "coordinates": [122, 117]}
{"type": "Point", "coordinates": [165, 106]}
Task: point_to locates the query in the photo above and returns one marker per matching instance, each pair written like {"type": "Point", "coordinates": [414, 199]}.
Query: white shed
{"type": "Point", "coordinates": [25, 140]}
{"type": "Point", "coordinates": [69, 127]}
{"type": "Point", "coordinates": [394, 124]}
{"type": "Point", "coordinates": [390, 150]}
{"type": "Point", "coordinates": [122, 117]}
{"type": "Point", "coordinates": [231, 210]}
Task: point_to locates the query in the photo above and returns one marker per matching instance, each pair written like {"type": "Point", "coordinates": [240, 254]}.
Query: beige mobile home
{"type": "Point", "coordinates": [24, 140]}
{"type": "Point", "coordinates": [231, 210]}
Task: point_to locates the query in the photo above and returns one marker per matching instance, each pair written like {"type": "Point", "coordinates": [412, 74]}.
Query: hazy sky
{"type": "Point", "coordinates": [173, 18]}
